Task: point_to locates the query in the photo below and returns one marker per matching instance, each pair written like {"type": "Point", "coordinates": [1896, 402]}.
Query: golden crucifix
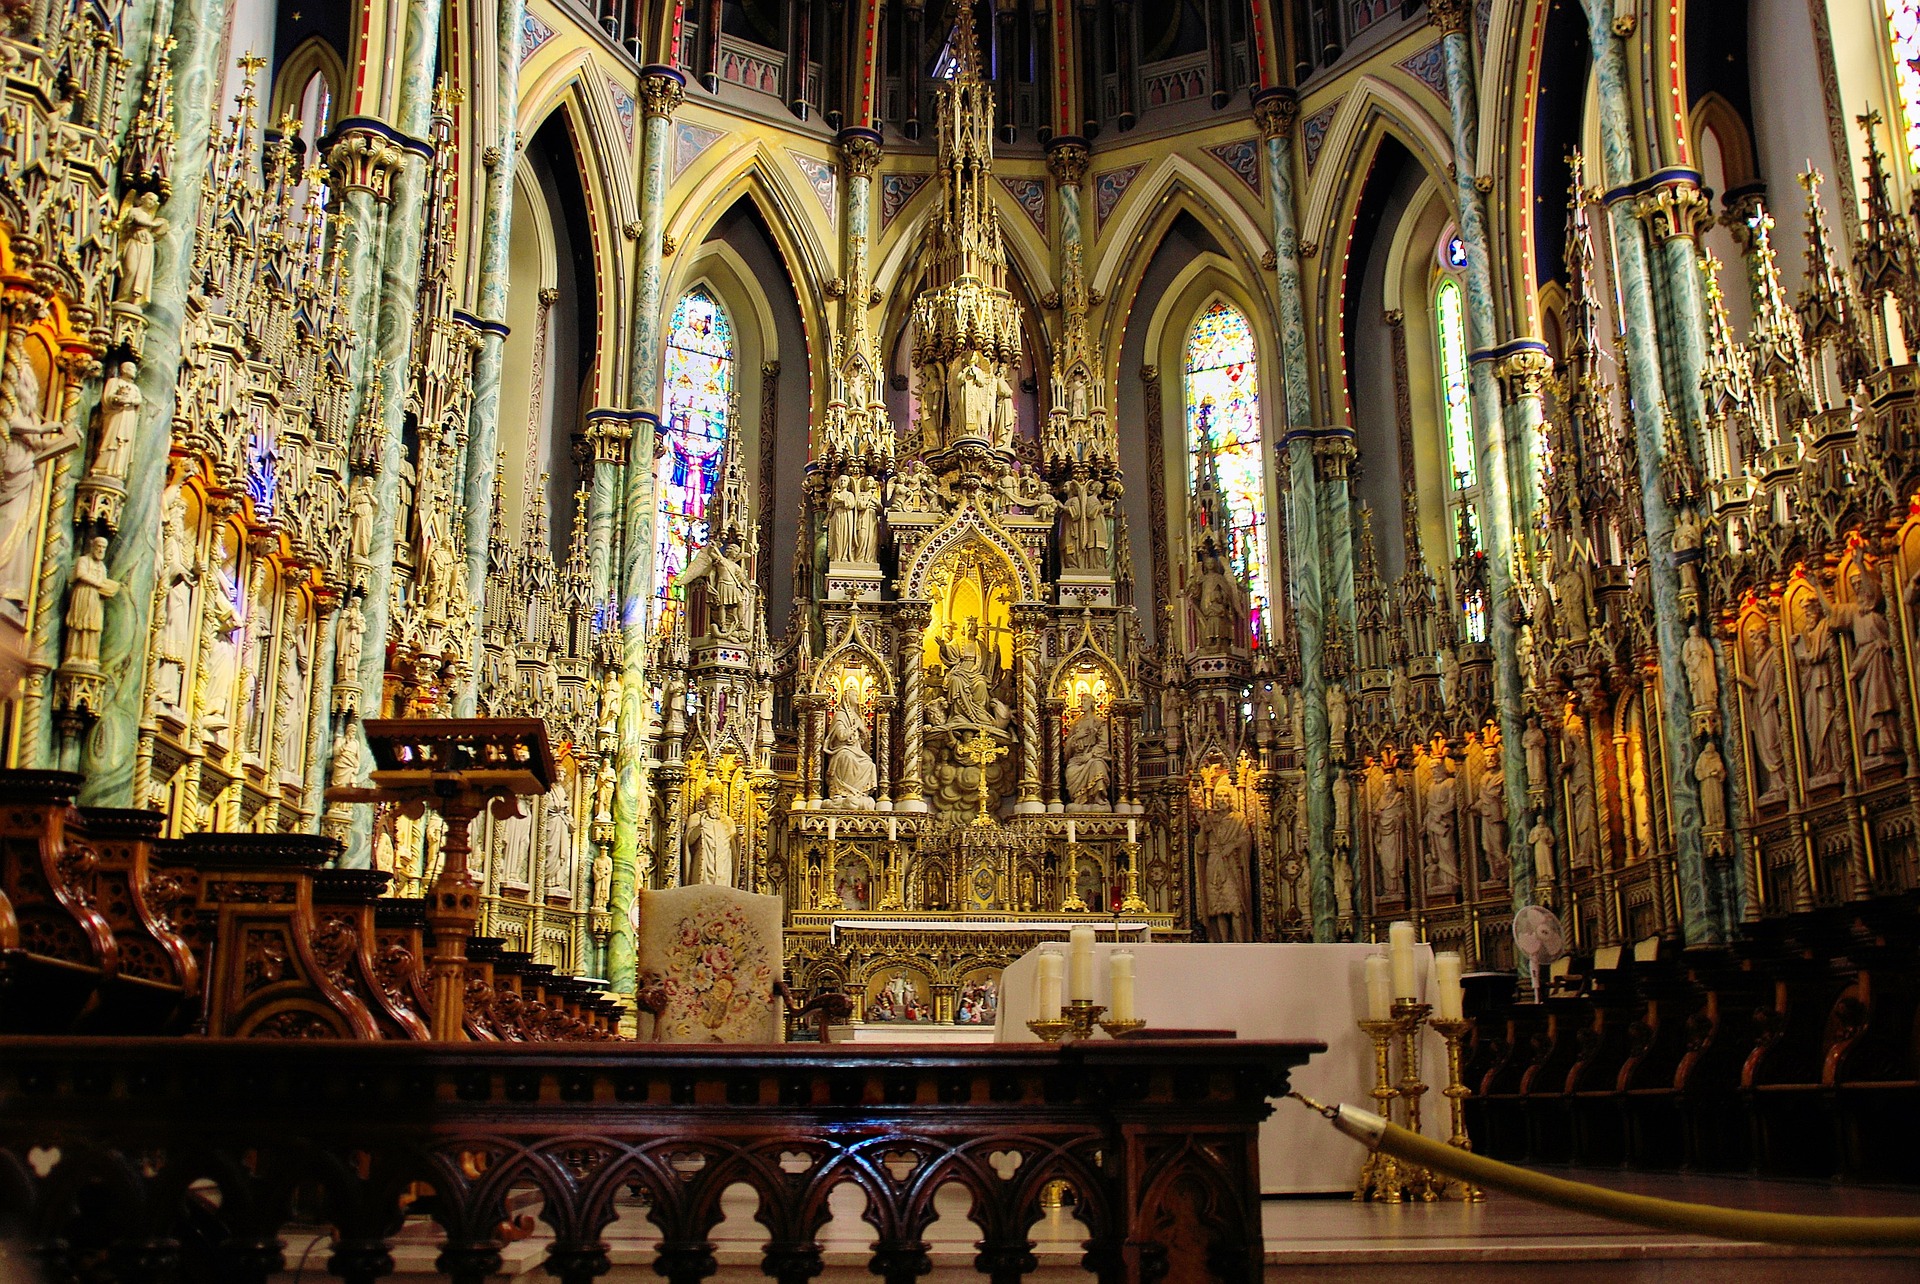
{"type": "Point", "coordinates": [978, 753]}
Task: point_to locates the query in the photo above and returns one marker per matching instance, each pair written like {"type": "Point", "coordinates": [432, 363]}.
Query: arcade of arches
{"type": "Point", "coordinates": [1257, 470]}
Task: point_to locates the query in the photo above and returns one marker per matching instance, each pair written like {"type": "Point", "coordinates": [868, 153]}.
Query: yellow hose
{"type": "Point", "coordinates": [1699, 1219]}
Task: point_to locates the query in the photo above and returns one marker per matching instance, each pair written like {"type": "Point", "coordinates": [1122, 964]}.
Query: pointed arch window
{"type": "Point", "coordinates": [1223, 421]}
{"type": "Point", "coordinates": [1456, 421]}
{"type": "Point", "coordinates": [1903, 30]}
{"type": "Point", "coordinates": [696, 413]}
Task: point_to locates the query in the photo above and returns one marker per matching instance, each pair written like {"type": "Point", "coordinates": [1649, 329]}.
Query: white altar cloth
{"type": "Point", "coordinates": [1265, 992]}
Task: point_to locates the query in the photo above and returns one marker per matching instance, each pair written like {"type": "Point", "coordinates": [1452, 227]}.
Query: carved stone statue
{"type": "Point", "coordinates": [1573, 600]}
{"type": "Point", "coordinates": [1440, 827]}
{"type": "Point", "coordinates": [1343, 885]}
{"type": "Point", "coordinates": [1004, 419]}
{"type": "Point", "coordinates": [1087, 541]}
{"type": "Point", "coordinates": [1686, 549]}
{"type": "Point", "coordinates": [1216, 601]}
{"type": "Point", "coordinates": [360, 508]}
{"type": "Point", "coordinates": [179, 570]}
{"type": "Point", "coordinates": [1449, 667]}
{"type": "Point", "coordinates": [1710, 769]}
{"type": "Point", "coordinates": [1540, 838]}
{"type": "Point", "coordinates": [1579, 769]}
{"type": "Point", "coordinates": [1390, 838]}
{"type": "Point", "coordinates": [24, 445]}
{"type": "Point", "coordinates": [347, 649]}
{"type": "Point", "coordinates": [86, 612]}
{"type": "Point", "coordinates": [1400, 694]}
{"type": "Point", "coordinates": [965, 681]}
{"type": "Point", "coordinates": [1873, 669]}
{"type": "Point", "coordinates": [710, 835]}
{"type": "Point", "coordinates": [866, 523]}
{"type": "Point", "coordinates": [1492, 805]}
{"type": "Point", "coordinates": [913, 489]}
{"type": "Point", "coordinates": [289, 702]}
{"type": "Point", "coordinates": [842, 516]}
{"type": "Point", "coordinates": [1534, 741]}
{"type": "Point", "coordinates": [1767, 726]}
{"type": "Point", "coordinates": [344, 771]}
{"type": "Point", "coordinates": [727, 588]}
{"type": "Point", "coordinates": [851, 773]}
{"type": "Point", "coordinates": [1226, 848]}
{"type": "Point", "coordinates": [223, 656]}
{"type": "Point", "coordinates": [559, 859]}
{"type": "Point", "coordinates": [1696, 657]}
{"type": "Point", "coordinates": [139, 226]}
{"type": "Point", "coordinates": [1337, 710]}
{"type": "Point", "coordinates": [974, 397]}
{"type": "Point", "coordinates": [932, 409]}
{"type": "Point", "coordinates": [1816, 651]}
{"type": "Point", "coordinates": [1088, 762]}
{"type": "Point", "coordinates": [119, 413]}
{"type": "Point", "coordinates": [602, 879]}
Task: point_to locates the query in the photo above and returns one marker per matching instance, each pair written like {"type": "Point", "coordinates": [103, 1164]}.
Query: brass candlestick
{"type": "Point", "coordinates": [1081, 1015]}
{"type": "Point", "coordinates": [1379, 1176]}
{"type": "Point", "coordinates": [1073, 904]}
{"type": "Point", "coordinates": [1133, 904]}
{"type": "Point", "coordinates": [830, 900]}
{"type": "Point", "coordinates": [1409, 1018]}
{"type": "Point", "coordinates": [1050, 1031]}
{"type": "Point", "coordinates": [1456, 1093]}
{"type": "Point", "coordinates": [1118, 1028]}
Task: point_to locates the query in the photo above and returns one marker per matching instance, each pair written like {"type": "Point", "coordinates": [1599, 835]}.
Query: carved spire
{"type": "Point", "coordinates": [1829, 313]}
{"type": "Point", "coordinates": [1782, 376]}
{"type": "Point", "coordinates": [1884, 258]}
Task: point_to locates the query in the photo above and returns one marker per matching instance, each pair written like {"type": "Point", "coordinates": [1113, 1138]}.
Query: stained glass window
{"type": "Point", "coordinates": [1223, 420]}
{"type": "Point", "coordinates": [1450, 326]}
{"type": "Point", "coordinates": [694, 417]}
{"type": "Point", "coordinates": [1903, 27]}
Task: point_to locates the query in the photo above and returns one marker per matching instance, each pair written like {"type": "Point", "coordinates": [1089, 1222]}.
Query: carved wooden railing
{"type": "Point", "coordinates": [163, 1159]}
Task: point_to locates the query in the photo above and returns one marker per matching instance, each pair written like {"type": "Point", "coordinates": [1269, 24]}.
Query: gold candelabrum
{"type": "Point", "coordinates": [1383, 1177]}
{"type": "Point", "coordinates": [1076, 1021]}
{"type": "Point", "coordinates": [894, 899]}
{"type": "Point", "coordinates": [830, 872]}
{"type": "Point", "coordinates": [1073, 904]}
{"type": "Point", "coordinates": [1133, 904]}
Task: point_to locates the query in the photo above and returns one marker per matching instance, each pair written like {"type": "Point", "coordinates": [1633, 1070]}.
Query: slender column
{"type": "Point", "coordinates": [107, 757]}
{"type": "Point", "coordinates": [883, 756]}
{"type": "Point", "coordinates": [661, 91]}
{"type": "Point", "coordinates": [1496, 480]}
{"type": "Point", "coordinates": [393, 342]}
{"type": "Point", "coordinates": [609, 432]}
{"type": "Point", "coordinates": [496, 233]}
{"type": "Point", "coordinates": [1027, 654]}
{"type": "Point", "coordinates": [1675, 212]}
{"type": "Point", "coordinates": [1523, 373]}
{"type": "Point", "coordinates": [1276, 110]}
{"type": "Point", "coordinates": [913, 624]}
{"type": "Point", "coordinates": [1700, 917]}
{"type": "Point", "coordinates": [1335, 451]}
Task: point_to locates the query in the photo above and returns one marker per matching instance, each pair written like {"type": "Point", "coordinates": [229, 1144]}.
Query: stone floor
{"type": "Point", "coordinates": [1324, 1241]}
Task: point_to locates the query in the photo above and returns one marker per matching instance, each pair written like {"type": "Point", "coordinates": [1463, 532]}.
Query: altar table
{"type": "Point", "coordinates": [1264, 992]}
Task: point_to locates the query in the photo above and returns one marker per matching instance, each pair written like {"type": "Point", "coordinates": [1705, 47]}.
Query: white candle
{"type": "Point", "coordinates": [1379, 991]}
{"type": "Point", "coordinates": [1046, 987]}
{"type": "Point", "coordinates": [833, 828]}
{"type": "Point", "coordinates": [893, 829]}
{"type": "Point", "coordinates": [1071, 835]}
{"type": "Point", "coordinates": [1129, 830]}
{"type": "Point", "coordinates": [1400, 950]}
{"type": "Point", "coordinates": [1120, 985]}
{"type": "Point", "coordinates": [1080, 964]}
{"type": "Point", "coordinates": [1447, 998]}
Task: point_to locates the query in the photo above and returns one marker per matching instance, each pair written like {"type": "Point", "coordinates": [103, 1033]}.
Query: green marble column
{"type": "Point", "coordinates": [661, 92]}
{"type": "Point", "coordinates": [1523, 371]}
{"type": "Point", "coordinates": [1674, 211]}
{"type": "Point", "coordinates": [107, 757]}
{"type": "Point", "coordinates": [496, 232]}
{"type": "Point", "coordinates": [1497, 505]}
{"type": "Point", "coordinates": [391, 341]}
{"type": "Point", "coordinates": [1700, 917]}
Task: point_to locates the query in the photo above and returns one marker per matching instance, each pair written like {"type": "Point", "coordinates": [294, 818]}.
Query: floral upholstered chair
{"type": "Point", "coordinates": [709, 958]}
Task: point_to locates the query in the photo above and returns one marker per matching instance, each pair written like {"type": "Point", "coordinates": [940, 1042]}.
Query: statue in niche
{"type": "Point", "coordinates": [1579, 769]}
{"type": "Point", "coordinates": [1449, 668]}
{"type": "Point", "coordinates": [559, 862]}
{"type": "Point", "coordinates": [610, 693]}
{"type": "Point", "coordinates": [1873, 680]}
{"type": "Point", "coordinates": [974, 397]}
{"type": "Point", "coordinates": [1086, 542]}
{"type": "Point", "coordinates": [851, 774]}
{"type": "Point", "coordinates": [1216, 601]}
{"type": "Point", "coordinates": [86, 609]}
{"type": "Point", "coordinates": [1686, 549]}
{"type": "Point", "coordinates": [1390, 837]}
{"type": "Point", "coordinates": [516, 846]}
{"type": "Point", "coordinates": [1710, 769]}
{"type": "Point", "coordinates": [866, 521]}
{"type": "Point", "coordinates": [1696, 657]}
{"type": "Point", "coordinates": [1342, 885]}
{"type": "Point", "coordinates": [25, 443]}
{"type": "Point", "coordinates": [223, 656]}
{"type": "Point", "coordinates": [709, 841]}
{"type": "Point", "coordinates": [344, 771]}
{"type": "Point", "coordinates": [965, 682]}
{"type": "Point", "coordinates": [139, 226]}
{"type": "Point", "coordinates": [1400, 694]}
{"type": "Point", "coordinates": [1766, 729]}
{"type": "Point", "coordinates": [289, 727]}
{"type": "Point", "coordinates": [1443, 868]}
{"type": "Point", "coordinates": [842, 515]}
{"type": "Point", "coordinates": [604, 786]}
{"type": "Point", "coordinates": [347, 649]}
{"type": "Point", "coordinates": [1534, 741]}
{"type": "Point", "coordinates": [1540, 838]}
{"type": "Point", "coordinates": [120, 402]}
{"type": "Point", "coordinates": [1337, 712]}
{"type": "Point", "coordinates": [1815, 649]}
{"type": "Point", "coordinates": [1573, 599]}
{"type": "Point", "coordinates": [602, 879]}
{"type": "Point", "coordinates": [1004, 418]}
{"type": "Point", "coordinates": [1226, 848]}
{"type": "Point", "coordinates": [1088, 762]}
{"type": "Point", "coordinates": [727, 587]}
{"type": "Point", "coordinates": [932, 406]}
{"type": "Point", "coordinates": [360, 508]}
{"type": "Point", "coordinates": [1491, 802]}
{"type": "Point", "coordinates": [179, 571]}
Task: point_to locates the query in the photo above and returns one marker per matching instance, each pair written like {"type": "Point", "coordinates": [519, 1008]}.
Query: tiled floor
{"type": "Point", "coordinates": [1321, 1241]}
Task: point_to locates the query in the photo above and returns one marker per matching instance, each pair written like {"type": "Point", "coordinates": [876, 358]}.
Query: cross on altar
{"type": "Point", "coordinates": [978, 752]}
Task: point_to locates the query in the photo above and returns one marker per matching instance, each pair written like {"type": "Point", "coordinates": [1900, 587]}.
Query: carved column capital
{"type": "Point", "coordinates": [364, 159]}
{"type": "Point", "coordinates": [1675, 209]}
{"type": "Point", "coordinates": [1275, 111]}
{"type": "Point", "coordinates": [1067, 160]}
{"type": "Point", "coordinates": [1524, 373]}
{"type": "Point", "coordinates": [859, 152]}
{"type": "Point", "coordinates": [1449, 15]}
{"type": "Point", "coordinates": [662, 90]}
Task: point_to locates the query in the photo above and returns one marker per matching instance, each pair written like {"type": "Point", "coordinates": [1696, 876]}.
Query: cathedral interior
{"type": "Point", "coordinates": [1219, 471]}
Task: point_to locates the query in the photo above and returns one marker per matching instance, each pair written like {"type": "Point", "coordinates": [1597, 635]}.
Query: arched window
{"type": "Point", "coordinates": [1903, 28]}
{"type": "Point", "coordinates": [696, 412]}
{"type": "Point", "coordinates": [1456, 412]}
{"type": "Point", "coordinates": [1223, 421]}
